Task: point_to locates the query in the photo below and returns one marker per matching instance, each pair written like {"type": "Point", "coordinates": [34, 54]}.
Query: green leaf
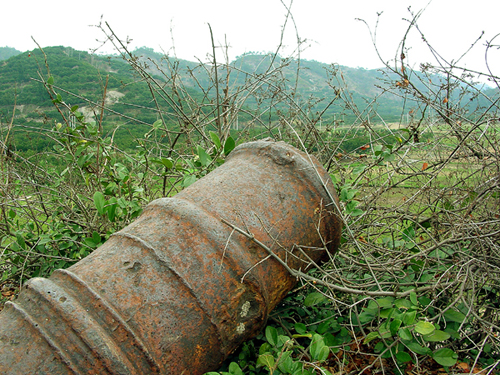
{"type": "Point", "coordinates": [272, 335]}
{"type": "Point", "coordinates": [313, 299]}
{"type": "Point", "coordinates": [409, 317]}
{"type": "Point", "coordinates": [371, 336]}
{"type": "Point", "coordinates": [356, 212]}
{"type": "Point", "coordinates": [157, 124]}
{"type": "Point", "coordinates": [405, 334]}
{"type": "Point", "coordinates": [188, 180]}
{"type": "Point", "coordinates": [235, 369]}
{"type": "Point", "coordinates": [266, 360]}
{"type": "Point", "coordinates": [413, 298]}
{"type": "Point", "coordinates": [96, 237]}
{"type": "Point", "coordinates": [204, 158]}
{"type": "Point", "coordinates": [424, 328]}
{"type": "Point", "coordinates": [111, 209]}
{"type": "Point", "coordinates": [99, 202]}
{"type": "Point", "coordinates": [167, 162]}
{"type": "Point", "coordinates": [385, 303]}
{"type": "Point", "coordinates": [452, 315]}
{"type": "Point", "coordinates": [319, 351]}
{"type": "Point", "coordinates": [403, 357]}
{"type": "Point", "coordinates": [215, 139]}
{"type": "Point", "coordinates": [50, 80]}
{"type": "Point", "coordinates": [445, 357]}
{"type": "Point", "coordinates": [409, 234]}
{"type": "Point", "coordinates": [417, 348]}
{"type": "Point", "coordinates": [437, 336]}
{"type": "Point", "coordinates": [229, 145]}
{"type": "Point", "coordinates": [20, 241]}
{"type": "Point", "coordinates": [347, 193]}
{"type": "Point", "coordinates": [300, 328]}
{"type": "Point", "coordinates": [395, 324]}
{"type": "Point", "coordinates": [265, 348]}
{"type": "Point", "coordinates": [74, 108]}
{"type": "Point", "coordinates": [286, 364]}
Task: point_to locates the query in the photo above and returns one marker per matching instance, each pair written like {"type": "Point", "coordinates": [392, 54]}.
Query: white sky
{"type": "Point", "coordinates": [333, 34]}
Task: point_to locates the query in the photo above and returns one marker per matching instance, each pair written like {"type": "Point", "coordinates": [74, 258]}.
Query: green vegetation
{"type": "Point", "coordinates": [88, 140]}
{"type": "Point", "coordinates": [7, 52]}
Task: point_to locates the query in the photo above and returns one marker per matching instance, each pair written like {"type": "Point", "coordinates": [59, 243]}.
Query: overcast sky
{"type": "Point", "coordinates": [330, 27]}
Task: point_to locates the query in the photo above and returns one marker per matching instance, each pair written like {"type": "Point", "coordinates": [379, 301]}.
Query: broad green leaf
{"type": "Point", "coordinates": [74, 108]}
{"type": "Point", "coordinates": [167, 162]}
{"type": "Point", "coordinates": [405, 334]}
{"type": "Point", "coordinates": [300, 328]}
{"type": "Point", "coordinates": [50, 80]}
{"type": "Point", "coordinates": [188, 180]}
{"type": "Point", "coordinates": [204, 158]}
{"type": "Point", "coordinates": [266, 360]}
{"type": "Point", "coordinates": [424, 328]}
{"type": "Point", "coordinates": [452, 315]}
{"type": "Point", "coordinates": [403, 357]}
{"type": "Point", "coordinates": [409, 234]}
{"type": "Point", "coordinates": [445, 357]}
{"type": "Point", "coordinates": [437, 336]}
{"type": "Point", "coordinates": [111, 208]}
{"type": "Point", "coordinates": [96, 237]}
{"type": "Point", "coordinates": [313, 299]}
{"type": "Point", "coordinates": [265, 348]}
{"type": "Point", "coordinates": [417, 348]}
{"type": "Point", "coordinates": [99, 202]}
{"type": "Point", "coordinates": [413, 298]}
{"type": "Point", "coordinates": [285, 363]}
{"type": "Point", "coordinates": [409, 317]}
{"type": "Point", "coordinates": [234, 369]}
{"type": "Point", "coordinates": [395, 324]}
{"type": "Point", "coordinates": [272, 335]}
{"type": "Point", "coordinates": [356, 212]}
{"type": "Point", "coordinates": [20, 241]}
{"type": "Point", "coordinates": [282, 339]}
{"type": "Point", "coordinates": [347, 193]}
{"type": "Point", "coordinates": [319, 351]}
{"type": "Point", "coordinates": [386, 313]}
{"type": "Point", "coordinates": [323, 327]}
{"type": "Point", "coordinates": [215, 139]}
{"type": "Point", "coordinates": [371, 336]}
{"type": "Point", "coordinates": [402, 304]}
{"type": "Point", "coordinates": [358, 169]}
{"type": "Point", "coordinates": [229, 145]}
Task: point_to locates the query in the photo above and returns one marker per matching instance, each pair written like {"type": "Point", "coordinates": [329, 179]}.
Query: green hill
{"type": "Point", "coordinates": [7, 52]}
{"type": "Point", "coordinates": [255, 82]}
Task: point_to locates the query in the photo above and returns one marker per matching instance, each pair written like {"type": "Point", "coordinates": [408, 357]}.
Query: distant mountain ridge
{"type": "Point", "coordinates": [7, 52]}
{"type": "Point", "coordinates": [85, 74]}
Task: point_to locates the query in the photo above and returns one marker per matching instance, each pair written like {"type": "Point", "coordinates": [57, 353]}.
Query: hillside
{"type": "Point", "coordinates": [254, 82]}
{"type": "Point", "coordinates": [7, 52]}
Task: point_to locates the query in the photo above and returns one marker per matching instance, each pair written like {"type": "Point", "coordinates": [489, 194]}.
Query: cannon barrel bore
{"type": "Point", "coordinates": [178, 290]}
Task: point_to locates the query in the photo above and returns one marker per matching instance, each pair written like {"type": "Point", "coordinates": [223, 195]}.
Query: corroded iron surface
{"type": "Point", "coordinates": [178, 290]}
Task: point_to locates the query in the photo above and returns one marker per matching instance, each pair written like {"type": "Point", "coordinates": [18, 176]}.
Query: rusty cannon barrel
{"type": "Point", "coordinates": [179, 289]}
